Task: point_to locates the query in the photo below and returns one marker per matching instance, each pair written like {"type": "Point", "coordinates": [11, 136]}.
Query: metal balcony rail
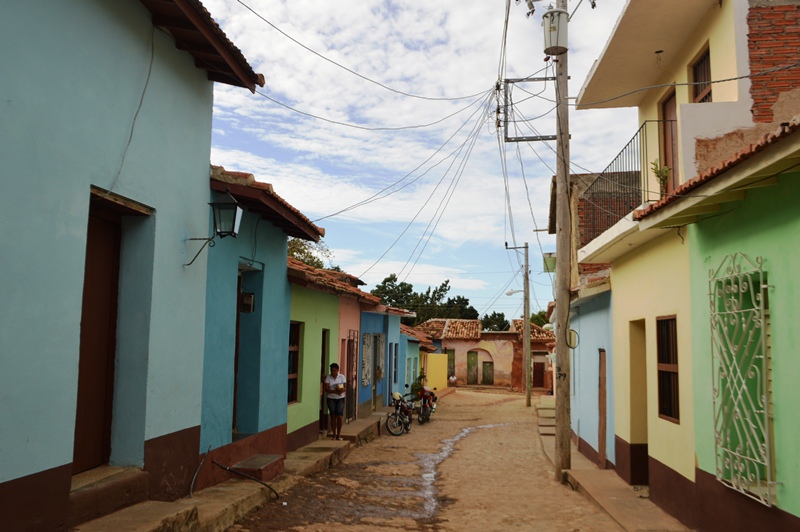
{"type": "Point", "coordinates": [623, 185]}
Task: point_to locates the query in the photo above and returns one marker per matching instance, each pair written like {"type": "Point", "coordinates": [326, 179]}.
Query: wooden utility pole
{"type": "Point", "coordinates": [563, 268]}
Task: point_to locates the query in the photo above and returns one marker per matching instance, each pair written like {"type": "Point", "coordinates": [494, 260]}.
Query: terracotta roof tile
{"type": "Point", "coordinates": [452, 329]}
{"type": "Point", "coordinates": [537, 333]}
{"type": "Point", "coordinates": [262, 199]}
{"type": "Point", "coordinates": [195, 30]}
{"type": "Point", "coordinates": [338, 283]}
{"type": "Point", "coordinates": [425, 342]}
{"type": "Point", "coordinates": [785, 129]}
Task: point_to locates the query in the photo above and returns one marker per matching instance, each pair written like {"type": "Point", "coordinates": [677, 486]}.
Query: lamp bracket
{"type": "Point", "coordinates": [208, 242]}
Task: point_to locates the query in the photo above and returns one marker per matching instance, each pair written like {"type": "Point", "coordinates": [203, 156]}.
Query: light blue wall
{"type": "Point", "coordinates": [74, 74]}
{"type": "Point", "coordinates": [411, 348]}
{"type": "Point", "coordinates": [392, 337]}
{"type": "Point", "coordinates": [264, 334]}
{"type": "Point", "coordinates": [592, 321]}
{"type": "Point", "coordinates": [371, 323]}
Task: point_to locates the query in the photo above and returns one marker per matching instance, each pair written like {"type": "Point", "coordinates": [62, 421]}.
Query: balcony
{"type": "Point", "coordinates": [628, 181]}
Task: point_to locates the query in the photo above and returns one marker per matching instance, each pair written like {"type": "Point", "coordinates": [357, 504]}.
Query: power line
{"type": "Point", "coordinates": [365, 78]}
{"type": "Point", "coordinates": [377, 196]}
{"type": "Point", "coordinates": [365, 128]}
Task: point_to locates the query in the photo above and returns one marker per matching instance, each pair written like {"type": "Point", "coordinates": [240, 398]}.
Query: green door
{"type": "Point", "coordinates": [488, 373]}
{"type": "Point", "coordinates": [472, 367]}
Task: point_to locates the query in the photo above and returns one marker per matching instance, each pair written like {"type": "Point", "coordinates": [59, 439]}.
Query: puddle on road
{"type": "Point", "coordinates": [429, 464]}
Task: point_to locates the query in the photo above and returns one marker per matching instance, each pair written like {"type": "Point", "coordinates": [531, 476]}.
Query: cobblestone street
{"type": "Point", "coordinates": [478, 465]}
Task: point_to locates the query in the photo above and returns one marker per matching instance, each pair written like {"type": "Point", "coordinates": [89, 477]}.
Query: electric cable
{"type": "Point", "coordinates": [365, 78]}
{"type": "Point", "coordinates": [377, 196]}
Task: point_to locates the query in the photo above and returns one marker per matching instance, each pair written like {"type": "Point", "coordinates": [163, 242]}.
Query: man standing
{"type": "Point", "coordinates": [335, 387]}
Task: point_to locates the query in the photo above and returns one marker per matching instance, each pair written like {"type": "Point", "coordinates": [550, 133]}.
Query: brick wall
{"type": "Point", "coordinates": [773, 41]}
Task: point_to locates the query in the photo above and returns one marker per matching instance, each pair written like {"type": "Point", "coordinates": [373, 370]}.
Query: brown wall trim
{"type": "Point", "coordinates": [673, 493]}
{"type": "Point", "coordinates": [172, 461]}
{"type": "Point", "coordinates": [36, 502]}
{"type": "Point", "coordinates": [709, 505]}
{"type": "Point", "coordinates": [272, 441]}
{"type": "Point", "coordinates": [302, 436]}
{"type": "Point", "coordinates": [589, 452]}
{"type": "Point", "coordinates": [631, 461]}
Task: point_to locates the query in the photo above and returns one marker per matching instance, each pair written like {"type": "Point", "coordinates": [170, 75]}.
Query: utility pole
{"type": "Point", "coordinates": [563, 263]}
{"type": "Point", "coordinates": [526, 323]}
{"type": "Point", "coordinates": [526, 329]}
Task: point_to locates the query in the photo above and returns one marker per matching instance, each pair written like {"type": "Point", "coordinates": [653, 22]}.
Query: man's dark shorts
{"type": "Point", "coordinates": [336, 406]}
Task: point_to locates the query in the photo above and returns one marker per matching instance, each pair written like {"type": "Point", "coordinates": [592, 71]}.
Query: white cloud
{"type": "Point", "coordinates": [426, 48]}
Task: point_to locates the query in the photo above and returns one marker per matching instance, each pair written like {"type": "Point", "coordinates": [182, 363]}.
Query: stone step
{"type": "Point", "coordinates": [264, 467]}
{"type": "Point", "coordinates": [104, 490]}
{"type": "Point", "coordinates": [547, 431]}
{"type": "Point", "coordinates": [547, 422]}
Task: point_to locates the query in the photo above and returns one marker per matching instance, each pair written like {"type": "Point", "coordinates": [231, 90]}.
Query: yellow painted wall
{"type": "Point", "coordinates": [715, 32]}
{"type": "Point", "coordinates": [649, 282]}
{"type": "Point", "coordinates": [437, 370]}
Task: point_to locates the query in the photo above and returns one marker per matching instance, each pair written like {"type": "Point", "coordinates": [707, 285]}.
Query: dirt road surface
{"type": "Point", "coordinates": [477, 465]}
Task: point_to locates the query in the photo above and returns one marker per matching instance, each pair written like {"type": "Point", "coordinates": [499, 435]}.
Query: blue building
{"type": "Point", "coordinates": [105, 179]}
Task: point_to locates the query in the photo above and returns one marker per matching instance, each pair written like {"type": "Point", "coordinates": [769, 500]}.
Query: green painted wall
{"type": "Point", "coordinates": [316, 311]}
{"type": "Point", "coordinates": [765, 224]}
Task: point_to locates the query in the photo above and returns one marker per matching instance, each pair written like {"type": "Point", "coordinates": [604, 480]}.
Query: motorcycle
{"type": "Point", "coordinates": [427, 405]}
{"type": "Point", "coordinates": [400, 420]}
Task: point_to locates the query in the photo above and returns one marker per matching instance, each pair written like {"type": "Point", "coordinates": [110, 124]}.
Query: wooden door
{"type": "Point", "coordinates": [351, 397]}
{"type": "Point", "coordinates": [487, 376]}
{"type": "Point", "coordinates": [323, 419]}
{"type": "Point", "coordinates": [98, 336]}
{"type": "Point", "coordinates": [538, 374]}
{"type": "Point", "coordinates": [602, 415]}
{"type": "Point", "coordinates": [472, 367]}
{"type": "Point", "coordinates": [669, 129]}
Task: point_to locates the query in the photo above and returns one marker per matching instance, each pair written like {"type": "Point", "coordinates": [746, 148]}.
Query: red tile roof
{"type": "Point", "coordinates": [261, 199]}
{"type": "Point", "coordinates": [452, 329]}
{"type": "Point", "coordinates": [537, 333]}
{"type": "Point", "coordinates": [425, 342]}
{"type": "Point", "coordinates": [782, 132]}
{"type": "Point", "coordinates": [195, 31]}
{"type": "Point", "coordinates": [337, 283]}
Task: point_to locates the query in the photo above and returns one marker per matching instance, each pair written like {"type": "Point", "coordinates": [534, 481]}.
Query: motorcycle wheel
{"type": "Point", "coordinates": [394, 425]}
{"type": "Point", "coordinates": [424, 414]}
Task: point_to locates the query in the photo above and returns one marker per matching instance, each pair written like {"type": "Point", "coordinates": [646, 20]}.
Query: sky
{"type": "Point", "coordinates": [378, 121]}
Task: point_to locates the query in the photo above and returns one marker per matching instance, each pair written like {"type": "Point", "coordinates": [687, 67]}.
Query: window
{"type": "Point", "coordinates": [701, 74]}
{"type": "Point", "coordinates": [294, 361]}
{"type": "Point", "coordinates": [667, 346]}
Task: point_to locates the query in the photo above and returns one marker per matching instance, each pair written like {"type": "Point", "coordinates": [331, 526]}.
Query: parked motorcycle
{"type": "Point", "coordinates": [400, 420]}
{"type": "Point", "coordinates": [427, 404]}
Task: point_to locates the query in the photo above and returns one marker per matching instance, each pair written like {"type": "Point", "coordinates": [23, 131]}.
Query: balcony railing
{"type": "Point", "coordinates": [623, 185]}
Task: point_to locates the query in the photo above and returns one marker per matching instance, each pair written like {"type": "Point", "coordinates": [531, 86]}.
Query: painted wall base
{"type": "Point", "coordinates": [272, 441]}
{"type": "Point", "coordinates": [36, 502]}
{"type": "Point", "coordinates": [302, 436]}
{"type": "Point", "coordinates": [708, 505]}
{"type": "Point", "coordinates": [631, 461]}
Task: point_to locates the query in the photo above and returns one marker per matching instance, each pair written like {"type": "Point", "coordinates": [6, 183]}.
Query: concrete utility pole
{"type": "Point", "coordinates": [526, 329]}
{"type": "Point", "coordinates": [563, 267]}
{"type": "Point", "coordinates": [526, 323]}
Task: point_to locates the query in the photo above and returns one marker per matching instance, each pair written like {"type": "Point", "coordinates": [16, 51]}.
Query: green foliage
{"type": "Point", "coordinates": [662, 174]}
{"type": "Point", "coordinates": [312, 253]}
{"type": "Point", "coordinates": [427, 305]}
{"type": "Point", "coordinates": [496, 321]}
{"type": "Point", "coordinates": [540, 318]}
{"type": "Point", "coordinates": [417, 385]}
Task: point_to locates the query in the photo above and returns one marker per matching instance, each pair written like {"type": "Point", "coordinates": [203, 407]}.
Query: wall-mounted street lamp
{"type": "Point", "coordinates": [227, 219]}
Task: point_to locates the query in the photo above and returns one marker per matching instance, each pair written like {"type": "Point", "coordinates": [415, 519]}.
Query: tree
{"type": "Point", "coordinates": [309, 252]}
{"type": "Point", "coordinates": [459, 307]}
{"type": "Point", "coordinates": [540, 318]}
{"type": "Point", "coordinates": [496, 321]}
{"type": "Point", "coordinates": [428, 304]}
